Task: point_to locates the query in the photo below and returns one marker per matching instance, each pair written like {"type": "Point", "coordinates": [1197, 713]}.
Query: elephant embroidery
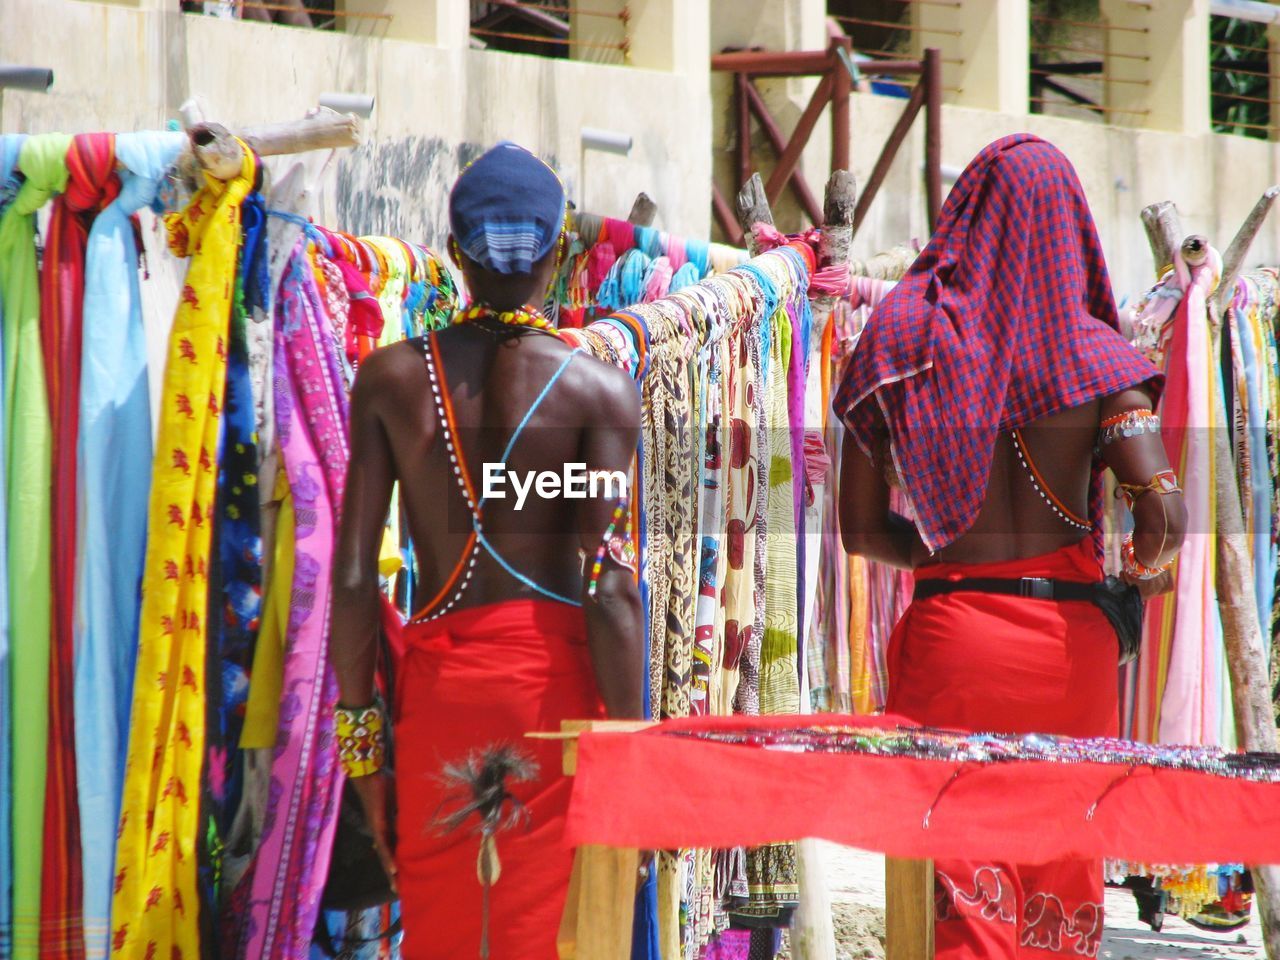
{"type": "Point", "coordinates": [1086, 926]}
{"type": "Point", "coordinates": [992, 897]}
{"type": "Point", "coordinates": [1044, 920]}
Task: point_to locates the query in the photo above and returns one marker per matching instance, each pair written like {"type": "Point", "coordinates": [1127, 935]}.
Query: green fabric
{"type": "Point", "coordinates": [43, 161]}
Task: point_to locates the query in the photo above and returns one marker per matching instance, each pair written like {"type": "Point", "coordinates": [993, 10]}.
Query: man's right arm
{"type": "Point", "coordinates": [615, 615]}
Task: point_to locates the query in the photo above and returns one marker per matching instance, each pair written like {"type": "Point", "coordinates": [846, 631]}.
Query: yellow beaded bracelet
{"type": "Point", "coordinates": [362, 739]}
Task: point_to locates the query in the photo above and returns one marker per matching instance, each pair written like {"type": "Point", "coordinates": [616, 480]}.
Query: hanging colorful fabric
{"type": "Point", "coordinates": [114, 468]}
{"type": "Point", "coordinates": [43, 163]}
{"type": "Point", "coordinates": [293, 858]}
{"type": "Point", "coordinates": [154, 908]}
{"type": "Point", "coordinates": [10, 181]}
{"type": "Point", "coordinates": [92, 184]}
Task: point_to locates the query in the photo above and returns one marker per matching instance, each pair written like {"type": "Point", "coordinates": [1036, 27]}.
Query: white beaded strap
{"type": "Point", "coordinates": [1050, 501]}
{"type": "Point", "coordinates": [443, 418]}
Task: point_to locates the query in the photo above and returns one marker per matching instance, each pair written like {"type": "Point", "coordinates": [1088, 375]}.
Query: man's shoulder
{"type": "Point", "coordinates": [388, 368]}
{"type": "Point", "coordinates": [607, 392]}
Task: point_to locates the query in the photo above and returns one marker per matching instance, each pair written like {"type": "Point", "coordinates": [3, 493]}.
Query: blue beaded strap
{"type": "Point", "coordinates": [475, 517]}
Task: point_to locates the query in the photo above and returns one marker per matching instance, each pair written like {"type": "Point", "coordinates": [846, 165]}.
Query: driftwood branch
{"type": "Point", "coordinates": [837, 235]}
{"type": "Point", "coordinates": [1233, 259]}
{"type": "Point", "coordinates": [1164, 229]}
{"type": "Point", "coordinates": [643, 211]}
{"type": "Point", "coordinates": [753, 208]}
{"type": "Point", "coordinates": [214, 147]}
{"type": "Point", "coordinates": [889, 265]}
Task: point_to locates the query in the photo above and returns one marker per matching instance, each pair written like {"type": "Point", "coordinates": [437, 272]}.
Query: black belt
{"type": "Point", "coordinates": [1034, 588]}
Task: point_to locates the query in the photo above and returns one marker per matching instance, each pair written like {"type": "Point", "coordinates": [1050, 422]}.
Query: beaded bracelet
{"type": "Point", "coordinates": [618, 546]}
{"type": "Point", "coordinates": [362, 739]}
{"type": "Point", "coordinates": [1163, 483]}
{"type": "Point", "coordinates": [1131, 423]}
{"type": "Point", "coordinates": [1135, 567]}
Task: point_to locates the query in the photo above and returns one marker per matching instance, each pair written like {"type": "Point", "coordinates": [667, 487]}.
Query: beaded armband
{"type": "Point", "coordinates": [615, 543]}
{"type": "Point", "coordinates": [1135, 567]}
{"type": "Point", "coordinates": [1131, 423]}
{"type": "Point", "coordinates": [362, 739]}
{"type": "Point", "coordinates": [1163, 483]}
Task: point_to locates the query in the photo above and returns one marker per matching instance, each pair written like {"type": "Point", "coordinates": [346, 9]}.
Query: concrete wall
{"type": "Point", "coordinates": [1213, 179]}
{"type": "Point", "coordinates": [126, 66]}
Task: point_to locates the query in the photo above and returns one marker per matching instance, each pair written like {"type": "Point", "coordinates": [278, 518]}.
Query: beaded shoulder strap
{"type": "Point", "coordinates": [1063, 512]}
{"type": "Point", "coordinates": [461, 575]}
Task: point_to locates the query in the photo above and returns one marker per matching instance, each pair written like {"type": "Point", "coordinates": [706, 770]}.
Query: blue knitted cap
{"type": "Point", "coordinates": [506, 210]}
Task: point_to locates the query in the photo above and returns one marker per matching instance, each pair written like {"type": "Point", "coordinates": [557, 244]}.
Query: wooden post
{"type": "Point", "coordinates": [833, 245]}
{"type": "Point", "coordinates": [214, 147]}
{"type": "Point", "coordinates": [908, 909]}
{"type": "Point", "coordinates": [890, 265]}
{"type": "Point", "coordinates": [1233, 259]}
{"type": "Point", "coordinates": [753, 208]}
{"type": "Point", "coordinates": [1163, 232]}
{"type": "Point", "coordinates": [643, 211]}
{"type": "Point", "coordinates": [600, 909]}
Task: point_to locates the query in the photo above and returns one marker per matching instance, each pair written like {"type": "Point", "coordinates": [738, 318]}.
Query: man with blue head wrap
{"type": "Point", "coordinates": [529, 611]}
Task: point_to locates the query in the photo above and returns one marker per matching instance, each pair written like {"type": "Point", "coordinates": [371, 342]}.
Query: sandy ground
{"type": "Point", "coordinates": [856, 882]}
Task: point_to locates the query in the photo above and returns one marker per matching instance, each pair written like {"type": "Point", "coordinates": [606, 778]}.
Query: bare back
{"type": "Point", "coordinates": [1015, 519]}
{"type": "Point", "coordinates": [492, 379]}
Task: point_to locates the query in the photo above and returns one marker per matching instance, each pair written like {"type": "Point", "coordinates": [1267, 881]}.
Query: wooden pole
{"type": "Point", "coordinates": [214, 147]}
{"type": "Point", "coordinates": [1164, 230]}
{"type": "Point", "coordinates": [908, 909]}
{"type": "Point", "coordinates": [889, 265]}
{"type": "Point", "coordinates": [643, 211]}
{"type": "Point", "coordinates": [753, 208]}
{"type": "Point", "coordinates": [889, 151]}
{"type": "Point", "coordinates": [1233, 259]}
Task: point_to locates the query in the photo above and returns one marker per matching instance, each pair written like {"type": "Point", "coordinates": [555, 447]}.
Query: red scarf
{"type": "Point", "coordinates": [1006, 316]}
{"type": "Point", "coordinates": [92, 184]}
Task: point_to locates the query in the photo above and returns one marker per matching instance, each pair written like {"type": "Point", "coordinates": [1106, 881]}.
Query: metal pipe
{"type": "Point", "coordinates": [37, 79]}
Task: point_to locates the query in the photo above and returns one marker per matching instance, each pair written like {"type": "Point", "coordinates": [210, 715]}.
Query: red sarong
{"type": "Point", "coordinates": [1003, 664]}
{"type": "Point", "coordinates": [468, 680]}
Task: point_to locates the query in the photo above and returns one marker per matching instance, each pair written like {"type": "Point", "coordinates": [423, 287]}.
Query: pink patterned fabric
{"type": "Point", "coordinates": [293, 859]}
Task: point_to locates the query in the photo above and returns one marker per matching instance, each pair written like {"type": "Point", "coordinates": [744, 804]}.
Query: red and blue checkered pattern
{"type": "Point", "coordinates": [1006, 316]}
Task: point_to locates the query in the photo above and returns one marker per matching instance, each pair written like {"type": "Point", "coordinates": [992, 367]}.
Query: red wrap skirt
{"type": "Point", "coordinates": [1004, 664]}
{"type": "Point", "coordinates": [467, 680]}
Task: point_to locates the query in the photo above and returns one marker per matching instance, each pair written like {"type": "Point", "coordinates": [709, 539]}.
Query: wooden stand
{"type": "Point", "coordinates": [908, 909]}
{"type": "Point", "coordinates": [600, 909]}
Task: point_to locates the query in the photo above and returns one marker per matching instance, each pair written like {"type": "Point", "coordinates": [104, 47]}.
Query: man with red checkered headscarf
{"type": "Point", "coordinates": [992, 389]}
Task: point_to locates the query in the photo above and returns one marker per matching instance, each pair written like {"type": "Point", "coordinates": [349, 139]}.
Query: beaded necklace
{"type": "Point", "coordinates": [525, 316]}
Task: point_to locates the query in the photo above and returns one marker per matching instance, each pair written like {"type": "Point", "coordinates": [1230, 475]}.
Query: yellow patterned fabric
{"type": "Point", "coordinates": [262, 712]}
{"type": "Point", "coordinates": [155, 909]}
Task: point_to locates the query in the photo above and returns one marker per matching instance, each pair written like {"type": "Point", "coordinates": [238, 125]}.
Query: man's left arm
{"type": "Point", "coordinates": [355, 618]}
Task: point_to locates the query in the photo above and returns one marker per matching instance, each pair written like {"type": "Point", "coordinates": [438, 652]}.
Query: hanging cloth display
{"type": "Point", "coordinates": [114, 457]}
{"type": "Point", "coordinates": [155, 906]}
{"type": "Point", "coordinates": [91, 185]}
{"type": "Point", "coordinates": [43, 162]}
{"type": "Point", "coordinates": [292, 862]}
{"type": "Point", "coordinates": [10, 182]}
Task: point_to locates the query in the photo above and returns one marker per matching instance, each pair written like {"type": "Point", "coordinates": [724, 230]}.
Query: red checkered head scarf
{"type": "Point", "coordinates": [1006, 316]}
